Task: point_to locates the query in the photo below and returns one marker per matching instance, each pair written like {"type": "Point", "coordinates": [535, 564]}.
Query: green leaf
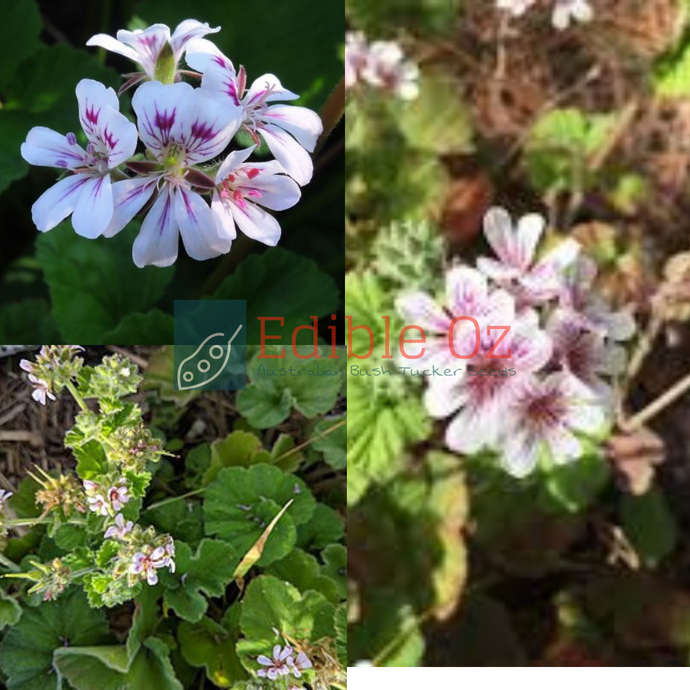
{"type": "Point", "coordinates": [240, 503]}
{"type": "Point", "coordinates": [19, 35]}
{"type": "Point", "coordinates": [335, 560]}
{"type": "Point", "coordinates": [340, 624]}
{"type": "Point", "coordinates": [324, 527]}
{"type": "Point", "coordinates": [94, 284]}
{"type": "Point", "coordinates": [270, 604]}
{"type": "Point", "coordinates": [10, 610]}
{"type": "Point", "coordinates": [211, 646]}
{"type": "Point", "coordinates": [207, 572]}
{"type": "Point", "coordinates": [30, 316]}
{"type": "Point", "coordinates": [182, 519]}
{"type": "Point", "coordinates": [649, 525]}
{"type": "Point", "coordinates": [91, 460]}
{"type": "Point", "coordinates": [438, 120]}
{"type": "Point", "coordinates": [672, 74]}
{"type": "Point", "coordinates": [304, 572]}
{"type": "Point", "coordinates": [27, 650]}
{"type": "Point", "coordinates": [280, 283]}
{"type": "Point", "coordinates": [160, 375]}
{"type": "Point", "coordinates": [151, 328]}
{"type": "Point", "coordinates": [575, 486]}
{"type": "Point", "coordinates": [418, 15]}
{"type": "Point", "coordinates": [310, 385]}
{"type": "Point", "coordinates": [332, 445]}
{"type": "Point", "coordinates": [239, 449]}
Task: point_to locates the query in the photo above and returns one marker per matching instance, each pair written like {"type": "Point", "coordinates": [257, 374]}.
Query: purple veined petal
{"type": "Point", "coordinates": [304, 124]}
{"type": "Point", "coordinates": [220, 77]}
{"type": "Point", "coordinates": [288, 152]}
{"type": "Point", "coordinates": [277, 192]}
{"type": "Point", "coordinates": [233, 160]}
{"type": "Point", "coordinates": [93, 97]}
{"type": "Point", "coordinates": [186, 31]}
{"type": "Point", "coordinates": [157, 107]}
{"type": "Point", "coordinates": [476, 426]}
{"type": "Point", "coordinates": [496, 270]}
{"type": "Point", "coordinates": [44, 146]}
{"type": "Point", "coordinates": [197, 226]}
{"type": "Point", "coordinates": [498, 229]}
{"type": "Point", "coordinates": [420, 309]}
{"type": "Point", "coordinates": [157, 553]}
{"type": "Point", "coordinates": [156, 243]}
{"type": "Point", "coordinates": [94, 207]}
{"type": "Point", "coordinates": [129, 197]}
{"type": "Point", "coordinates": [200, 51]}
{"type": "Point", "coordinates": [529, 230]}
{"type": "Point", "coordinates": [57, 202]}
{"type": "Point", "coordinates": [117, 135]}
{"type": "Point", "coordinates": [264, 660]}
{"type": "Point", "coordinates": [262, 672]}
{"type": "Point", "coordinates": [272, 673]}
{"type": "Point", "coordinates": [520, 454]}
{"type": "Point", "coordinates": [147, 44]}
{"type": "Point", "coordinates": [466, 291]}
{"type": "Point", "coordinates": [113, 45]}
{"type": "Point", "coordinates": [152, 576]}
{"type": "Point", "coordinates": [277, 649]}
{"type": "Point", "coordinates": [259, 91]}
{"type": "Point", "coordinates": [256, 223]}
{"type": "Point", "coordinates": [112, 531]}
{"type": "Point", "coordinates": [205, 125]}
{"type": "Point", "coordinates": [222, 214]}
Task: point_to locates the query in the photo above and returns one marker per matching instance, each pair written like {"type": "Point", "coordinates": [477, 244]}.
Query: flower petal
{"type": "Point", "coordinates": [129, 197]}
{"type": "Point", "coordinates": [157, 107]}
{"type": "Point", "coordinates": [94, 207]}
{"type": "Point", "coordinates": [529, 230]}
{"type": "Point", "coordinates": [289, 153]}
{"type": "Point", "coordinates": [156, 243]}
{"type": "Point", "coordinates": [186, 31]}
{"type": "Point", "coordinates": [222, 213]}
{"type": "Point", "coordinates": [256, 223]}
{"type": "Point", "coordinates": [44, 146]}
{"type": "Point", "coordinates": [197, 226]}
{"type": "Point", "coordinates": [200, 51]}
{"type": "Point", "coordinates": [304, 124]}
{"type": "Point", "coordinates": [420, 309]}
{"type": "Point", "coordinates": [205, 125]}
{"type": "Point", "coordinates": [147, 44]}
{"type": "Point", "coordinates": [57, 202]}
{"type": "Point", "coordinates": [233, 160]}
{"type": "Point", "coordinates": [113, 45]}
{"type": "Point", "coordinates": [498, 229]}
{"type": "Point", "coordinates": [260, 88]}
{"type": "Point", "coordinates": [278, 192]}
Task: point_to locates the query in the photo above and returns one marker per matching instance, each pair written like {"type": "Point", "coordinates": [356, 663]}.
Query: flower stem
{"type": "Point", "coordinates": [10, 565]}
{"type": "Point", "coordinates": [166, 501]}
{"type": "Point", "coordinates": [331, 113]}
{"type": "Point", "coordinates": [75, 394]}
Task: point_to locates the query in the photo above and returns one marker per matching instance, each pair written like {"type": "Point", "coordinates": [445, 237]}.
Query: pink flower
{"type": "Point", "coordinates": [301, 663]}
{"type": "Point", "coordinates": [356, 53]}
{"type": "Point", "coordinates": [118, 496]}
{"type": "Point", "coordinates": [388, 69]}
{"type": "Point", "coordinates": [290, 131]}
{"type": "Point", "coordinates": [477, 402]}
{"type": "Point", "coordinates": [41, 390]}
{"type": "Point", "coordinates": [243, 188]}
{"type": "Point", "coordinates": [279, 665]}
{"type": "Point", "coordinates": [98, 504]}
{"type": "Point", "coordinates": [146, 564]}
{"type": "Point", "coordinates": [531, 282]}
{"type": "Point", "coordinates": [120, 528]}
{"type": "Point", "coordinates": [26, 365]}
{"type": "Point", "coordinates": [542, 421]}
{"type": "Point", "coordinates": [468, 294]}
{"type": "Point", "coordinates": [87, 193]}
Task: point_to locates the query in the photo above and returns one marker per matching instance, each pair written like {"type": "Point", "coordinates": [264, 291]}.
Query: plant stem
{"type": "Point", "coordinates": [330, 430]}
{"type": "Point", "coordinates": [331, 113]}
{"type": "Point", "coordinates": [75, 394]}
{"type": "Point", "coordinates": [10, 565]}
{"type": "Point", "coordinates": [166, 501]}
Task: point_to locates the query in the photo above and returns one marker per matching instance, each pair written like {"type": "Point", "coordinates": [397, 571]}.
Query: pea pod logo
{"type": "Point", "coordinates": [203, 366]}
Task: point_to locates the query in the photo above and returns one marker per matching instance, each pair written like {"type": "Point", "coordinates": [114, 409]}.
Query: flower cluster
{"type": "Point", "coordinates": [114, 451]}
{"type": "Point", "coordinates": [381, 65]}
{"type": "Point", "coordinates": [55, 365]}
{"type": "Point", "coordinates": [185, 131]}
{"type": "Point", "coordinates": [283, 663]}
{"type": "Point", "coordinates": [528, 392]}
{"type": "Point", "coordinates": [564, 11]}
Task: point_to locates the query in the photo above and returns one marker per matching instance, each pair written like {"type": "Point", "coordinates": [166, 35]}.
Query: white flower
{"type": "Point", "coordinates": [98, 504]}
{"type": "Point", "coordinates": [181, 126]}
{"type": "Point", "coordinates": [544, 416]}
{"type": "Point", "coordinates": [516, 269]}
{"type": "Point", "coordinates": [145, 45]}
{"type": "Point", "coordinates": [566, 11]}
{"type": "Point", "coordinates": [118, 496]}
{"type": "Point", "coordinates": [356, 55]}
{"type": "Point", "coordinates": [120, 528]}
{"type": "Point", "coordinates": [290, 131]}
{"type": "Point", "coordinates": [301, 663]}
{"type": "Point", "coordinates": [279, 665]}
{"type": "Point", "coordinates": [476, 398]}
{"type": "Point", "coordinates": [41, 390]}
{"type": "Point", "coordinates": [146, 563]}
{"type": "Point", "coordinates": [243, 188]}
{"type": "Point", "coordinates": [467, 294]}
{"type": "Point", "coordinates": [386, 68]}
{"type": "Point", "coordinates": [87, 194]}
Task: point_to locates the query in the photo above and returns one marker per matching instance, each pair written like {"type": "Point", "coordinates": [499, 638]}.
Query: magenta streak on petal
{"type": "Point", "coordinates": [109, 139]}
{"type": "Point", "coordinates": [166, 213]}
{"type": "Point", "coordinates": [92, 114]}
{"type": "Point", "coordinates": [231, 90]}
{"type": "Point", "coordinates": [132, 194]}
{"type": "Point", "coordinates": [71, 190]}
{"type": "Point", "coordinates": [60, 163]}
{"type": "Point", "coordinates": [155, 131]}
{"type": "Point", "coordinates": [188, 206]}
{"type": "Point", "coordinates": [97, 188]}
{"type": "Point", "coordinates": [258, 96]}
